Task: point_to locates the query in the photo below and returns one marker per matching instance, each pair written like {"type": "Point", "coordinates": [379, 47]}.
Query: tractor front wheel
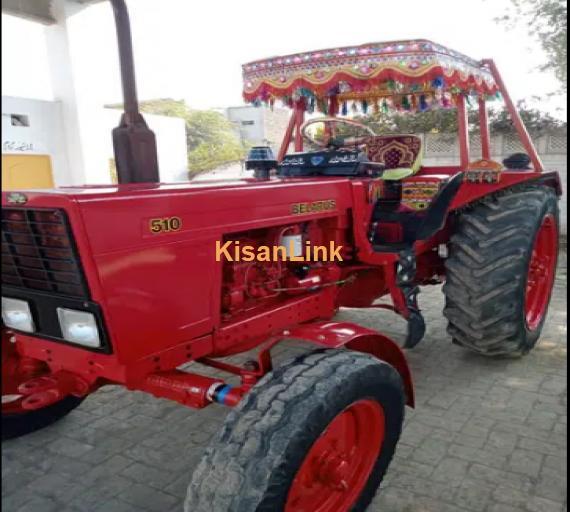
{"type": "Point", "coordinates": [501, 271]}
{"type": "Point", "coordinates": [315, 435]}
{"type": "Point", "coordinates": [17, 421]}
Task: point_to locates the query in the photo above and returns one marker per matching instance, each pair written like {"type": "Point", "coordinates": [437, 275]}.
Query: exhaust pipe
{"type": "Point", "coordinates": [134, 143]}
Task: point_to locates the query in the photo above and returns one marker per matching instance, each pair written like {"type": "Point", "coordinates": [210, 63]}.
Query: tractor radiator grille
{"type": "Point", "coordinates": [39, 253]}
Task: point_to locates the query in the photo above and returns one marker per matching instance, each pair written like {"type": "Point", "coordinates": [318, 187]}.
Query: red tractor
{"type": "Point", "coordinates": [124, 284]}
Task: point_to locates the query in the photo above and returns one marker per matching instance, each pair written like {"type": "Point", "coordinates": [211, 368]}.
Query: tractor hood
{"type": "Point", "coordinates": [119, 217]}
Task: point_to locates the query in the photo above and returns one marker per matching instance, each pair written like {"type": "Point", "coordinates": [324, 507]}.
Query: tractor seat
{"type": "Point", "coordinates": [420, 225]}
{"type": "Point", "coordinates": [401, 154]}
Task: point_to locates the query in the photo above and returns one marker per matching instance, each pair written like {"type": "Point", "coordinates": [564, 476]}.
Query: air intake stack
{"type": "Point", "coordinates": [134, 143]}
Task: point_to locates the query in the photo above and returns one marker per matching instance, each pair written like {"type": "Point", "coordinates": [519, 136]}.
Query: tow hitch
{"type": "Point", "coordinates": [49, 389]}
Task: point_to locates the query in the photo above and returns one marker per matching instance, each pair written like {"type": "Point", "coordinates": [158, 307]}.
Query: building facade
{"type": "Point", "coordinates": [259, 126]}
{"type": "Point", "coordinates": [35, 152]}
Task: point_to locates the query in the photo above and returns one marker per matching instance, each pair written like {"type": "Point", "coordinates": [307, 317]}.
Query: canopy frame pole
{"type": "Point", "coordinates": [299, 120]}
{"type": "Point", "coordinates": [463, 125]}
{"type": "Point", "coordinates": [287, 137]}
{"type": "Point", "coordinates": [293, 131]}
{"type": "Point", "coordinates": [484, 128]}
{"type": "Point", "coordinates": [330, 128]}
{"type": "Point", "coordinates": [516, 118]}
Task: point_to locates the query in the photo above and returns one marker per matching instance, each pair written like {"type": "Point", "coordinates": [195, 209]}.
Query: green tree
{"type": "Point", "coordinates": [210, 137]}
{"type": "Point", "coordinates": [164, 107]}
{"type": "Point", "coordinates": [445, 121]}
{"type": "Point", "coordinates": [536, 121]}
{"type": "Point", "coordinates": [436, 120]}
{"type": "Point", "coordinates": [547, 21]}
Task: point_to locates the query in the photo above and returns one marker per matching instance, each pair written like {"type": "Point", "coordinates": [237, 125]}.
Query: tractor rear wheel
{"type": "Point", "coordinates": [315, 435]}
{"type": "Point", "coordinates": [501, 271]}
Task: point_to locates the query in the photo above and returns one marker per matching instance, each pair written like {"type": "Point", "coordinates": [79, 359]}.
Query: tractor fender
{"type": "Point", "coordinates": [552, 179]}
{"type": "Point", "coordinates": [437, 213]}
{"type": "Point", "coordinates": [354, 337]}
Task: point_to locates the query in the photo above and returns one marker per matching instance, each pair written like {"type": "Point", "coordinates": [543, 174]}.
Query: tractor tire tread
{"type": "Point", "coordinates": [486, 270]}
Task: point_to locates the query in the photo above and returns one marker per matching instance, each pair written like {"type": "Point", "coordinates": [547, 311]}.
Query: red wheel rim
{"type": "Point", "coordinates": [541, 272]}
{"type": "Point", "coordinates": [338, 465]}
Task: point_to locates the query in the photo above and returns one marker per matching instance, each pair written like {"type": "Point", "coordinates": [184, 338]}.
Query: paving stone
{"type": "Point", "coordinates": [554, 386]}
{"type": "Point", "coordinates": [147, 498]}
{"type": "Point", "coordinates": [526, 462]}
{"type": "Point", "coordinates": [543, 420]}
{"type": "Point", "coordinates": [443, 400]}
{"type": "Point", "coordinates": [552, 485]}
{"type": "Point", "coordinates": [510, 496]}
{"type": "Point", "coordinates": [502, 442]}
{"type": "Point", "coordinates": [431, 451]}
{"type": "Point", "coordinates": [535, 445]}
{"type": "Point", "coordinates": [450, 471]}
{"type": "Point", "coordinates": [40, 504]}
{"type": "Point", "coordinates": [473, 495]}
{"type": "Point", "coordinates": [557, 463]}
{"type": "Point", "coordinates": [56, 487]}
{"type": "Point", "coordinates": [485, 473]}
{"type": "Point", "coordinates": [102, 491]}
{"type": "Point", "coordinates": [106, 470]}
{"type": "Point", "coordinates": [141, 473]}
{"type": "Point", "coordinates": [17, 499]}
{"type": "Point", "coordinates": [69, 447]}
{"type": "Point", "coordinates": [179, 486]}
{"type": "Point", "coordinates": [16, 480]}
{"type": "Point", "coordinates": [116, 505]}
{"type": "Point", "coordinates": [543, 505]}
{"type": "Point", "coordinates": [72, 468]}
{"type": "Point", "coordinates": [502, 507]}
{"type": "Point", "coordinates": [485, 457]}
{"type": "Point", "coordinates": [470, 441]}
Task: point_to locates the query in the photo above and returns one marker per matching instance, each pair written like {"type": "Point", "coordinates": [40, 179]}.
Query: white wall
{"type": "Point", "coordinates": [249, 123]}
{"type": "Point", "coordinates": [170, 140]}
{"type": "Point", "coordinates": [268, 126]}
{"type": "Point", "coordinates": [45, 135]}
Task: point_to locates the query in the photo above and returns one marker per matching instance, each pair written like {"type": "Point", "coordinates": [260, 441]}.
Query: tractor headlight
{"type": "Point", "coordinates": [79, 327]}
{"type": "Point", "coordinates": [17, 315]}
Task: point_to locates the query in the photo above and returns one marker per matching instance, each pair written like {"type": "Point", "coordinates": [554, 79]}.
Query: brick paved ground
{"type": "Point", "coordinates": [487, 436]}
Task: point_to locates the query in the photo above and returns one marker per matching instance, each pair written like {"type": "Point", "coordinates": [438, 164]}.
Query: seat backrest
{"type": "Point", "coordinates": [395, 151]}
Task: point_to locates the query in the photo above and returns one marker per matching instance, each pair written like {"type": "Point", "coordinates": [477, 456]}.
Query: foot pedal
{"type": "Point", "coordinates": [416, 329]}
{"type": "Point", "coordinates": [405, 279]}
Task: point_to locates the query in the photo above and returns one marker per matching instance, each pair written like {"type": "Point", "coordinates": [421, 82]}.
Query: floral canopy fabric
{"type": "Point", "coordinates": [409, 75]}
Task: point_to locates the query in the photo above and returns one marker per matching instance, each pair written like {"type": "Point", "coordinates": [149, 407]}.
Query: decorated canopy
{"type": "Point", "coordinates": [408, 75]}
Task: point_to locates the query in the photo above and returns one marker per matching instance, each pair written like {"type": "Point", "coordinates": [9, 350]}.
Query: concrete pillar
{"type": "Point", "coordinates": [73, 62]}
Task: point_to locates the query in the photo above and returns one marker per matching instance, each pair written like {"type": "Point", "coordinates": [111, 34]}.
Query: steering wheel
{"type": "Point", "coordinates": [331, 140]}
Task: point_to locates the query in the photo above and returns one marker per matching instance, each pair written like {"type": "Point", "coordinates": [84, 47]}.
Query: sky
{"type": "Point", "coordinates": [193, 50]}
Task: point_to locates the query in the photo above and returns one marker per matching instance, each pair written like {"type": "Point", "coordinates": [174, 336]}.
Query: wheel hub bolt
{"type": "Point", "coordinates": [334, 471]}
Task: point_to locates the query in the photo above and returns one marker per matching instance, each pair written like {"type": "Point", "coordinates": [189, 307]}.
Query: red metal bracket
{"type": "Point", "coordinates": [517, 121]}
{"type": "Point", "coordinates": [484, 129]}
{"type": "Point", "coordinates": [463, 131]}
{"type": "Point", "coordinates": [252, 371]}
{"type": "Point", "coordinates": [49, 389]}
